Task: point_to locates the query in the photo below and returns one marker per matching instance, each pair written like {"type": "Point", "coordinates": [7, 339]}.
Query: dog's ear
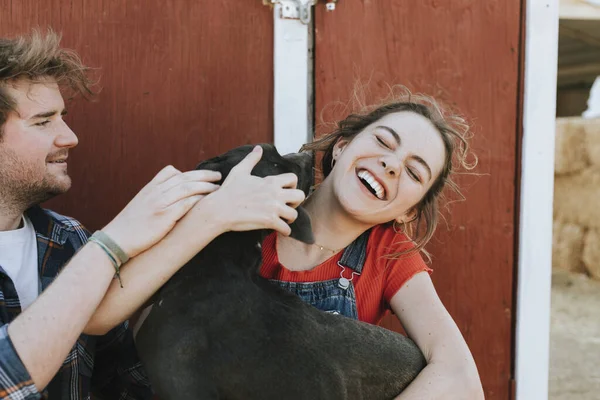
{"type": "Point", "coordinates": [302, 228]}
{"type": "Point", "coordinates": [225, 162]}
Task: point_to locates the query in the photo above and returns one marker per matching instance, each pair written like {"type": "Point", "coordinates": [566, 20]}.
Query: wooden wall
{"type": "Point", "coordinates": [184, 80]}
{"type": "Point", "coordinates": [181, 81]}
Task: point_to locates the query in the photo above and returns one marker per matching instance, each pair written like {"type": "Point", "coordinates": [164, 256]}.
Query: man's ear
{"type": "Point", "coordinates": [302, 228]}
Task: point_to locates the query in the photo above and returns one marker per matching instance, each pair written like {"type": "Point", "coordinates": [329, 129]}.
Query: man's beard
{"type": "Point", "coordinates": [24, 185]}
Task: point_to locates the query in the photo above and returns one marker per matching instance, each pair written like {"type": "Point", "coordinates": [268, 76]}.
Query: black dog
{"type": "Point", "coordinates": [219, 331]}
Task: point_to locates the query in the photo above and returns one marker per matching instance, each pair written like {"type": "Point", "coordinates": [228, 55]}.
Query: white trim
{"type": "Point", "coordinates": [291, 93]}
{"type": "Point", "coordinates": [537, 185]}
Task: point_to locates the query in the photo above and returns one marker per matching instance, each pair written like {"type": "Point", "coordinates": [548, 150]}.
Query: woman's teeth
{"type": "Point", "coordinates": [372, 183]}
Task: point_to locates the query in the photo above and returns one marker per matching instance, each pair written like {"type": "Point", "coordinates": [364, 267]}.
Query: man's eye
{"type": "Point", "coordinates": [43, 123]}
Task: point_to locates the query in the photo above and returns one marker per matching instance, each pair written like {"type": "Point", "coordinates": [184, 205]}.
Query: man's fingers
{"type": "Point", "coordinates": [189, 176]}
{"type": "Point", "coordinates": [182, 207]}
{"type": "Point", "coordinates": [164, 174]}
{"type": "Point", "coordinates": [185, 190]}
{"type": "Point", "coordinates": [205, 175]}
{"type": "Point", "coordinates": [245, 166]}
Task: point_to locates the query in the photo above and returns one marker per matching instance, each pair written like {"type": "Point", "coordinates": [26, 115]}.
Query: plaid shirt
{"type": "Point", "coordinates": [106, 366]}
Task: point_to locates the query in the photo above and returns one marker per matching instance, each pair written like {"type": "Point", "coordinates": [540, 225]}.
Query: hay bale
{"type": "Point", "coordinates": [567, 247]}
{"type": "Point", "coordinates": [576, 198]}
{"type": "Point", "coordinates": [592, 139]}
{"type": "Point", "coordinates": [591, 252]}
{"type": "Point", "coordinates": [570, 152]}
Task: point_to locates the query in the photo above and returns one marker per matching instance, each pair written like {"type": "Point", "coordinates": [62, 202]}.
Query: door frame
{"type": "Point", "coordinates": [534, 265]}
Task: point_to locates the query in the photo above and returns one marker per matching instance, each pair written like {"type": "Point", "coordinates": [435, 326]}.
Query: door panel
{"type": "Point", "coordinates": [181, 81]}
{"type": "Point", "coordinates": [466, 53]}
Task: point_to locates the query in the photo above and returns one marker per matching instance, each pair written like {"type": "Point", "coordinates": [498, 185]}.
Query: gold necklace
{"type": "Point", "coordinates": [323, 248]}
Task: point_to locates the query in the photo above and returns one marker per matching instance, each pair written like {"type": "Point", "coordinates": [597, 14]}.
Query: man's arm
{"type": "Point", "coordinates": [15, 381]}
{"type": "Point", "coordinates": [45, 332]}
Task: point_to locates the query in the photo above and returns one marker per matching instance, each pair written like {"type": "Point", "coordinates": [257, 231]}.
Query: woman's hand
{"type": "Point", "coordinates": [155, 210]}
{"type": "Point", "coordinates": [245, 202]}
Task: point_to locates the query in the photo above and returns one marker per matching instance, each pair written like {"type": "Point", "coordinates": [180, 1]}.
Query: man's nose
{"type": "Point", "coordinates": [66, 137]}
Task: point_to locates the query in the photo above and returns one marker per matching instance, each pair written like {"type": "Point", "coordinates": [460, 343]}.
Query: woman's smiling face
{"type": "Point", "coordinates": [386, 169]}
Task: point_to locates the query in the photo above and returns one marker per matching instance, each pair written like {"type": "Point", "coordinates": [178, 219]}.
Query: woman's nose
{"type": "Point", "coordinates": [389, 168]}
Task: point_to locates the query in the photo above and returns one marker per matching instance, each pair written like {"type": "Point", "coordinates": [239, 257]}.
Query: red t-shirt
{"type": "Point", "coordinates": [381, 277]}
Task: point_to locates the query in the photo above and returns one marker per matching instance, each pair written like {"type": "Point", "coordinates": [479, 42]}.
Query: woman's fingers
{"type": "Point", "coordinates": [281, 226]}
{"type": "Point", "coordinates": [293, 197]}
{"type": "Point", "coordinates": [287, 181]}
{"type": "Point", "coordinates": [245, 166]}
{"type": "Point", "coordinates": [288, 214]}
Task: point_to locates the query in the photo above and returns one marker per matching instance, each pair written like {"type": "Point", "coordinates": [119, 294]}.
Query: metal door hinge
{"type": "Point", "coordinates": [298, 9]}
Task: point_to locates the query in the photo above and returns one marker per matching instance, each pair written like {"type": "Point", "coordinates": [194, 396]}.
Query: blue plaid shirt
{"type": "Point", "coordinates": [107, 366]}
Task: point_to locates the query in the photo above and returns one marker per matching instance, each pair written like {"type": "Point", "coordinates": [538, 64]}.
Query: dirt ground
{"type": "Point", "coordinates": [574, 338]}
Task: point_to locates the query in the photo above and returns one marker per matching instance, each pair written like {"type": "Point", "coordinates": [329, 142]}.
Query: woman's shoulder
{"type": "Point", "coordinates": [386, 239]}
{"type": "Point", "coordinates": [391, 255]}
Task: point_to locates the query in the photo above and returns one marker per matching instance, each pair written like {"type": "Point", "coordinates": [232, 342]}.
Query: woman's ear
{"type": "Point", "coordinates": [408, 217]}
{"type": "Point", "coordinates": [338, 148]}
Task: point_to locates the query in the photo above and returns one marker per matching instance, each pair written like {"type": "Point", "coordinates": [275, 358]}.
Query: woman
{"type": "Point", "coordinates": [385, 170]}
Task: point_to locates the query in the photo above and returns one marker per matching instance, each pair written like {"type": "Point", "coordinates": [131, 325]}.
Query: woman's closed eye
{"type": "Point", "coordinates": [382, 142]}
{"type": "Point", "coordinates": [414, 174]}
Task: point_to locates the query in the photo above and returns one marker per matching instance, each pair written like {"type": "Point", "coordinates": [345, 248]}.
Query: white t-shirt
{"type": "Point", "coordinates": [18, 258]}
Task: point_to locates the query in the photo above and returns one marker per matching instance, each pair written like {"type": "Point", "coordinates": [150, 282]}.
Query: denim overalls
{"type": "Point", "coordinates": [335, 296]}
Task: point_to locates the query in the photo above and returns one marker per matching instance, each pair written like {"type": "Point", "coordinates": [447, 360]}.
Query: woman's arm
{"type": "Point", "coordinates": [147, 272]}
{"type": "Point", "coordinates": [451, 372]}
{"type": "Point", "coordinates": [243, 202]}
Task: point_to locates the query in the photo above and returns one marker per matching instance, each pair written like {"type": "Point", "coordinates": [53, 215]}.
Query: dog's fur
{"type": "Point", "coordinates": [219, 331]}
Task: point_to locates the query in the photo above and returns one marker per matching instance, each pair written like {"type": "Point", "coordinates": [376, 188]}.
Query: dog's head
{"type": "Point", "coordinates": [272, 163]}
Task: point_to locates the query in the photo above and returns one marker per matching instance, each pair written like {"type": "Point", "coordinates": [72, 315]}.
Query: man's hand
{"type": "Point", "coordinates": [245, 202]}
{"type": "Point", "coordinates": [153, 212]}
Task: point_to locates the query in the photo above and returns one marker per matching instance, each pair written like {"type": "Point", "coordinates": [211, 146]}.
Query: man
{"type": "Point", "coordinates": [52, 279]}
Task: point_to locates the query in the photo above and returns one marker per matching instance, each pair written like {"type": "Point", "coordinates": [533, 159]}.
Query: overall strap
{"type": "Point", "coordinates": [355, 254]}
